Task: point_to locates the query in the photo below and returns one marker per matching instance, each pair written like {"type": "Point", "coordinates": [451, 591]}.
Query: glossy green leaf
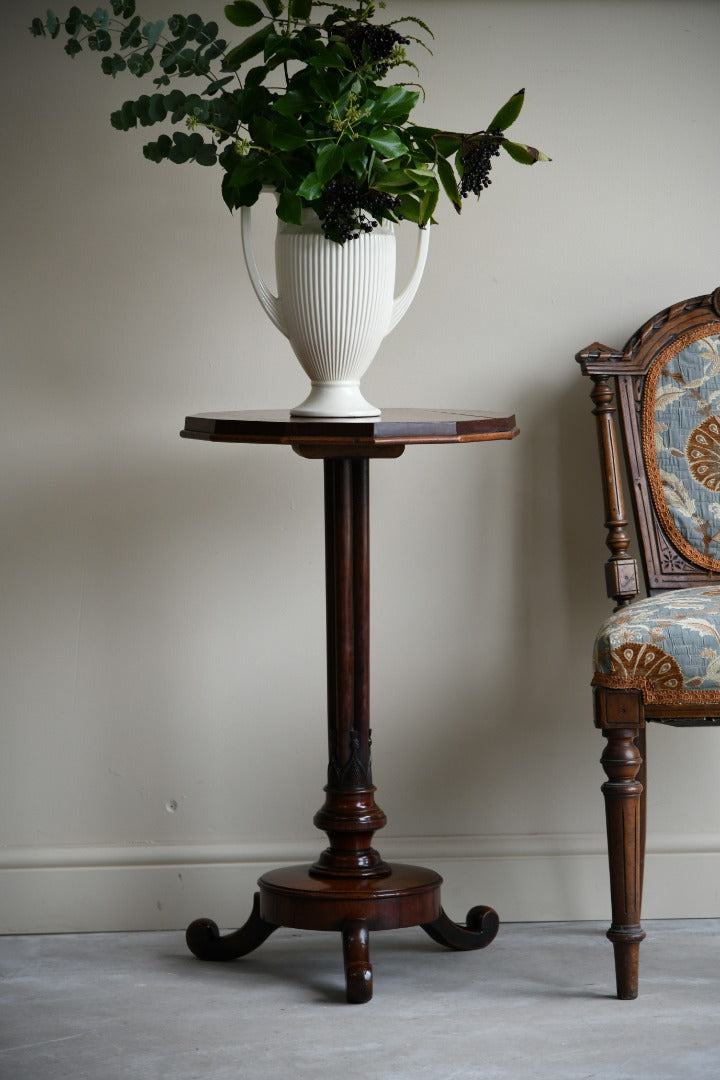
{"type": "Point", "coordinates": [300, 9]}
{"type": "Point", "coordinates": [289, 208]}
{"type": "Point", "coordinates": [311, 187]}
{"type": "Point", "coordinates": [387, 142]}
{"type": "Point", "coordinates": [424, 178]}
{"type": "Point", "coordinates": [394, 103]}
{"type": "Point", "coordinates": [256, 75]}
{"type": "Point", "coordinates": [294, 102]}
{"type": "Point", "coordinates": [526, 155]}
{"type": "Point", "coordinates": [243, 13]}
{"type": "Point", "coordinates": [324, 85]}
{"type": "Point", "coordinates": [275, 171]}
{"type": "Point", "coordinates": [275, 7]}
{"type": "Point", "coordinates": [244, 170]}
{"type": "Point", "coordinates": [329, 161]}
{"type": "Point", "coordinates": [276, 43]}
{"type": "Point", "coordinates": [332, 56]}
{"type": "Point", "coordinates": [356, 153]}
{"type": "Point", "coordinates": [250, 102]}
{"type": "Point", "coordinates": [217, 84]}
{"type": "Point", "coordinates": [248, 48]}
{"type": "Point", "coordinates": [509, 113]}
{"type": "Point", "coordinates": [446, 145]}
{"type": "Point", "coordinates": [429, 202]}
{"type": "Point", "coordinates": [449, 183]}
{"type": "Point", "coordinates": [261, 131]}
{"type": "Point", "coordinates": [394, 181]}
{"type": "Point", "coordinates": [289, 134]}
{"type": "Point", "coordinates": [410, 207]}
{"type": "Point", "coordinates": [236, 195]}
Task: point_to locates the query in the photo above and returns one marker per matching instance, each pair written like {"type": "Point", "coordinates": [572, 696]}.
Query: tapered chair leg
{"type": "Point", "coordinates": [626, 849]}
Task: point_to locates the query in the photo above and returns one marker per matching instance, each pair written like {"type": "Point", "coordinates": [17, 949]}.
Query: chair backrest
{"type": "Point", "coordinates": [666, 383]}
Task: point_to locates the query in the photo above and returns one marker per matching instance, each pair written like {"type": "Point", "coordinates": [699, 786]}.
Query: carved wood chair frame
{"type": "Point", "coordinates": [620, 381]}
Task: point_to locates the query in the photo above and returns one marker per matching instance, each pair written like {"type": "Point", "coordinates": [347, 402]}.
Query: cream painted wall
{"type": "Point", "coordinates": [161, 629]}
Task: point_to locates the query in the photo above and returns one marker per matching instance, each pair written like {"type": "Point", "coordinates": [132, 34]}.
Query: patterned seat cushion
{"type": "Point", "coordinates": [667, 646]}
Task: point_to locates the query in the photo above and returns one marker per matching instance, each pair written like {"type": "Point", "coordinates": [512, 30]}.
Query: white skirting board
{"type": "Point", "coordinates": [526, 878]}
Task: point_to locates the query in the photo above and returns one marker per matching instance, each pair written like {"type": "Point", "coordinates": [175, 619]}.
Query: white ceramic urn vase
{"type": "Point", "coordinates": [335, 304]}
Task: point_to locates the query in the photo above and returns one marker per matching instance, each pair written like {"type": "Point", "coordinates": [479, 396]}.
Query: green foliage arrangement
{"type": "Point", "coordinates": [302, 104]}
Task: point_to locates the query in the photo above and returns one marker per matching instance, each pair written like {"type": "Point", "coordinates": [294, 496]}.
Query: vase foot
{"type": "Point", "coordinates": [335, 400]}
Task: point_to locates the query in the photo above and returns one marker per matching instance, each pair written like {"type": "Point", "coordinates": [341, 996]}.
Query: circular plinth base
{"type": "Point", "coordinates": [407, 896]}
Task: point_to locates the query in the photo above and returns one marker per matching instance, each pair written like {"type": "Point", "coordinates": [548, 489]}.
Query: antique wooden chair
{"type": "Point", "coordinates": [656, 659]}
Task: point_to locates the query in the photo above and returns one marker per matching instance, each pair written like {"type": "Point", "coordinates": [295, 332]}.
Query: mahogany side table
{"type": "Point", "coordinates": [349, 888]}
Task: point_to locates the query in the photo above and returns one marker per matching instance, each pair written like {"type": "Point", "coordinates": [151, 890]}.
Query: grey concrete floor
{"type": "Point", "coordinates": [537, 1003]}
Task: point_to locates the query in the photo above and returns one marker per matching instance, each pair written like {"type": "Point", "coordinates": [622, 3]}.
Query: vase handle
{"type": "Point", "coordinates": [406, 297]}
{"type": "Point", "coordinates": [270, 303]}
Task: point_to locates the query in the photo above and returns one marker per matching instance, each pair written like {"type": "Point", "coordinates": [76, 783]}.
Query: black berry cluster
{"type": "Point", "coordinates": [477, 162]}
{"type": "Point", "coordinates": [378, 203]}
{"type": "Point", "coordinates": [345, 208]}
{"type": "Point", "coordinates": [376, 43]}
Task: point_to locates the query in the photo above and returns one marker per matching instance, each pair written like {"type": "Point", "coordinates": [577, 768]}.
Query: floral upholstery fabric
{"type": "Point", "coordinates": [667, 646]}
{"type": "Point", "coordinates": [681, 442]}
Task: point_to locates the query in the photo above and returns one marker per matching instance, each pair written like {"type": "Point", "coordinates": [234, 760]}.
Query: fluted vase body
{"type": "Point", "coordinates": [335, 304]}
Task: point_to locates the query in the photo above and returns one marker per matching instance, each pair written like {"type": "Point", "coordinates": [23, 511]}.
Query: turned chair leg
{"type": "Point", "coordinates": [625, 813]}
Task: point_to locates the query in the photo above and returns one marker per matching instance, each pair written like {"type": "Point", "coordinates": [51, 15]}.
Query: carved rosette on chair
{"type": "Point", "coordinates": [335, 305]}
{"type": "Point", "coordinates": [656, 659]}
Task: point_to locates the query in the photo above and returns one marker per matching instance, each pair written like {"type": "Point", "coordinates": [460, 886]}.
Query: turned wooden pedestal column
{"type": "Point", "coordinates": [349, 888]}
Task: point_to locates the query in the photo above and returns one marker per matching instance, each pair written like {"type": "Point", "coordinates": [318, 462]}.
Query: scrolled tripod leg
{"type": "Point", "coordinates": [481, 927]}
{"type": "Point", "coordinates": [204, 940]}
{"type": "Point", "coordinates": [356, 956]}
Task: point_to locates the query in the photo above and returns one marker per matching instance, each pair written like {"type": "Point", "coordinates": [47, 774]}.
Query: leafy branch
{"type": "Point", "coordinates": [334, 136]}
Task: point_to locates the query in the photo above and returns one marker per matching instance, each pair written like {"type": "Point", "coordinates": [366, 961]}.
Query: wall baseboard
{"type": "Point", "coordinates": [529, 878]}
